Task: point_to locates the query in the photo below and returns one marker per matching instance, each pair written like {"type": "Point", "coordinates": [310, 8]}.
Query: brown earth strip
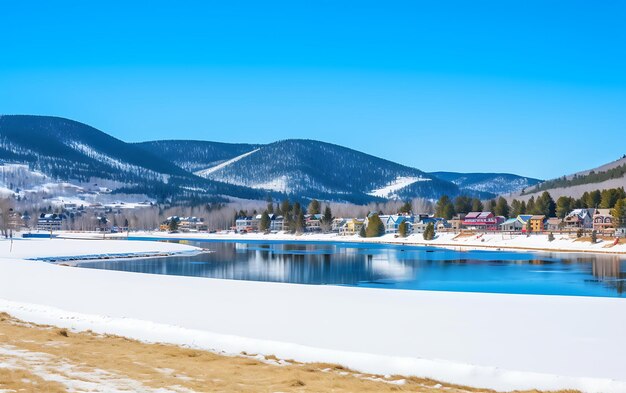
{"type": "Point", "coordinates": [40, 355]}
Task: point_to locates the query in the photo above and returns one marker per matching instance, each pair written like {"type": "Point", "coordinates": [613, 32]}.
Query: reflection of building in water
{"type": "Point", "coordinates": [608, 270]}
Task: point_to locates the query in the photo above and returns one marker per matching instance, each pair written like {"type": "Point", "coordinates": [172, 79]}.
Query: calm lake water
{"type": "Point", "coordinates": [392, 266]}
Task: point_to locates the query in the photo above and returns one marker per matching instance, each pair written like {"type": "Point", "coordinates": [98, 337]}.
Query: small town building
{"type": "Point", "coordinates": [392, 223]}
{"type": "Point", "coordinates": [512, 225]}
{"type": "Point", "coordinates": [620, 232]}
{"type": "Point", "coordinates": [456, 223]}
{"type": "Point", "coordinates": [537, 223]}
{"type": "Point", "coordinates": [579, 218]}
{"type": "Point", "coordinates": [440, 224]}
{"type": "Point", "coordinates": [50, 222]}
{"type": "Point", "coordinates": [485, 221]}
{"type": "Point", "coordinates": [276, 222]}
{"type": "Point", "coordinates": [191, 224]}
{"type": "Point", "coordinates": [554, 224]}
{"type": "Point", "coordinates": [603, 221]}
{"type": "Point", "coordinates": [337, 224]}
{"type": "Point", "coordinates": [313, 222]}
{"type": "Point", "coordinates": [352, 226]}
{"type": "Point", "coordinates": [524, 218]}
{"type": "Point", "coordinates": [244, 224]}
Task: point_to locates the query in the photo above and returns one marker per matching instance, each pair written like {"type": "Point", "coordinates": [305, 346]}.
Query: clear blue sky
{"type": "Point", "coordinates": [536, 88]}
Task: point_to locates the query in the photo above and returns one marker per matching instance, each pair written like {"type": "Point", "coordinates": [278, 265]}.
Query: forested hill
{"type": "Point", "coordinates": [71, 151]}
{"type": "Point", "coordinates": [495, 183]}
{"type": "Point", "coordinates": [303, 166]}
{"type": "Point", "coordinates": [67, 150]}
{"type": "Point", "coordinates": [607, 176]}
{"type": "Point", "coordinates": [196, 155]}
{"type": "Point", "coordinates": [307, 166]}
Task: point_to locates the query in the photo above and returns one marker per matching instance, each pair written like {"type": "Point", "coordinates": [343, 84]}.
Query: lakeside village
{"type": "Point", "coordinates": [597, 213]}
{"type": "Point", "coordinates": [540, 216]}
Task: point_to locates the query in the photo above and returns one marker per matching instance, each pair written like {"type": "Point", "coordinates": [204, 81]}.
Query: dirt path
{"type": "Point", "coordinates": [36, 358]}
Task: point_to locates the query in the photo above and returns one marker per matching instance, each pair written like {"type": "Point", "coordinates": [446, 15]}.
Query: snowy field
{"type": "Point", "coordinates": [485, 340]}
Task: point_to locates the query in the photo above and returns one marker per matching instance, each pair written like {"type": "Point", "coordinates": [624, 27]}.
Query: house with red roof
{"type": "Point", "coordinates": [485, 221]}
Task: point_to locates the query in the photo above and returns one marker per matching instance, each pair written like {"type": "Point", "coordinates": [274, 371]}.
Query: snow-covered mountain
{"type": "Point", "coordinates": [196, 155]}
{"type": "Point", "coordinates": [68, 151]}
{"type": "Point", "coordinates": [318, 169]}
{"type": "Point", "coordinates": [494, 183]}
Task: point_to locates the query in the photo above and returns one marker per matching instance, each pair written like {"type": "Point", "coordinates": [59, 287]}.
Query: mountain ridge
{"type": "Point", "coordinates": [303, 168]}
{"type": "Point", "coordinates": [606, 176]}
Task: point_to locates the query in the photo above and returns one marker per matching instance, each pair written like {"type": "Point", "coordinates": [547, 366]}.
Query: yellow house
{"type": "Point", "coordinates": [352, 227]}
{"type": "Point", "coordinates": [537, 223]}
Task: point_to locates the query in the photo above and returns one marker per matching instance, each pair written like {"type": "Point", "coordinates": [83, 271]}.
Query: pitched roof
{"type": "Point", "coordinates": [510, 221]}
{"type": "Point", "coordinates": [603, 212]}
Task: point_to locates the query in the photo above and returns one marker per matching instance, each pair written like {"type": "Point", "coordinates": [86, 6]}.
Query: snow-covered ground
{"type": "Point", "coordinates": [486, 340]}
{"type": "Point", "coordinates": [208, 171]}
{"type": "Point", "coordinates": [493, 241]}
{"type": "Point", "coordinates": [41, 248]}
{"type": "Point", "coordinates": [389, 191]}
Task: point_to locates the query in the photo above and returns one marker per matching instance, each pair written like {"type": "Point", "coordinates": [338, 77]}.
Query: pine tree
{"type": "Point", "coordinates": [564, 205]}
{"type": "Point", "coordinates": [491, 205]}
{"type": "Point", "coordinates": [264, 224]}
{"type": "Point", "coordinates": [594, 237]}
{"type": "Point", "coordinates": [327, 219]}
{"type": "Point", "coordinates": [516, 208]}
{"type": "Point", "coordinates": [444, 208]}
{"type": "Point", "coordinates": [314, 207]}
{"type": "Point", "coordinates": [285, 208]}
{"type": "Point", "coordinates": [477, 205]}
{"type": "Point", "coordinates": [172, 225]}
{"type": "Point", "coordinates": [406, 208]}
{"type": "Point", "coordinates": [270, 205]}
{"type": "Point", "coordinates": [403, 229]}
{"type": "Point", "coordinates": [300, 224]}
{"type": "Point", "coordinates": [530, 206]}
{"type": "Point", "coordinates": [594, 199]}
{"type": "Point", "coordinates": [619, 213]}
{"type": "Point", "coordinates": [362, 232]}
{"type": "Point", "coordinates": [462, 204]}
{"type": "Point", "coordinates": [294, 225]}
{"type": "Point", "coordinates": [610, 197]}
{"type": "Point", "coordinates": [429, 232]}
{"type": "Point", "coordinates": [502, 208]}
{"type": "Point", "coordinates": [548, 207]}
{"type": "Point", "coordinates": [375, 226]}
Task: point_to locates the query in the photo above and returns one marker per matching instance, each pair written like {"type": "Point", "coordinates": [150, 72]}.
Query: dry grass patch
{"type": "Point", "coordinates": [22, 380]}
{"type": "Point", "coordinates": [154, 366]}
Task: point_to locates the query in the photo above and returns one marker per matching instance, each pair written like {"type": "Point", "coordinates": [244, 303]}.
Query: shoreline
{"type": "Point", "coordinates": [100, 257]}
{"type": "Point", "coordinates": [489, 242]}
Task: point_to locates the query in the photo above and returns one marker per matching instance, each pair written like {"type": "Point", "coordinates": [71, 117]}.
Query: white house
{"type": "Point", "coordinates": [580, 218]}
